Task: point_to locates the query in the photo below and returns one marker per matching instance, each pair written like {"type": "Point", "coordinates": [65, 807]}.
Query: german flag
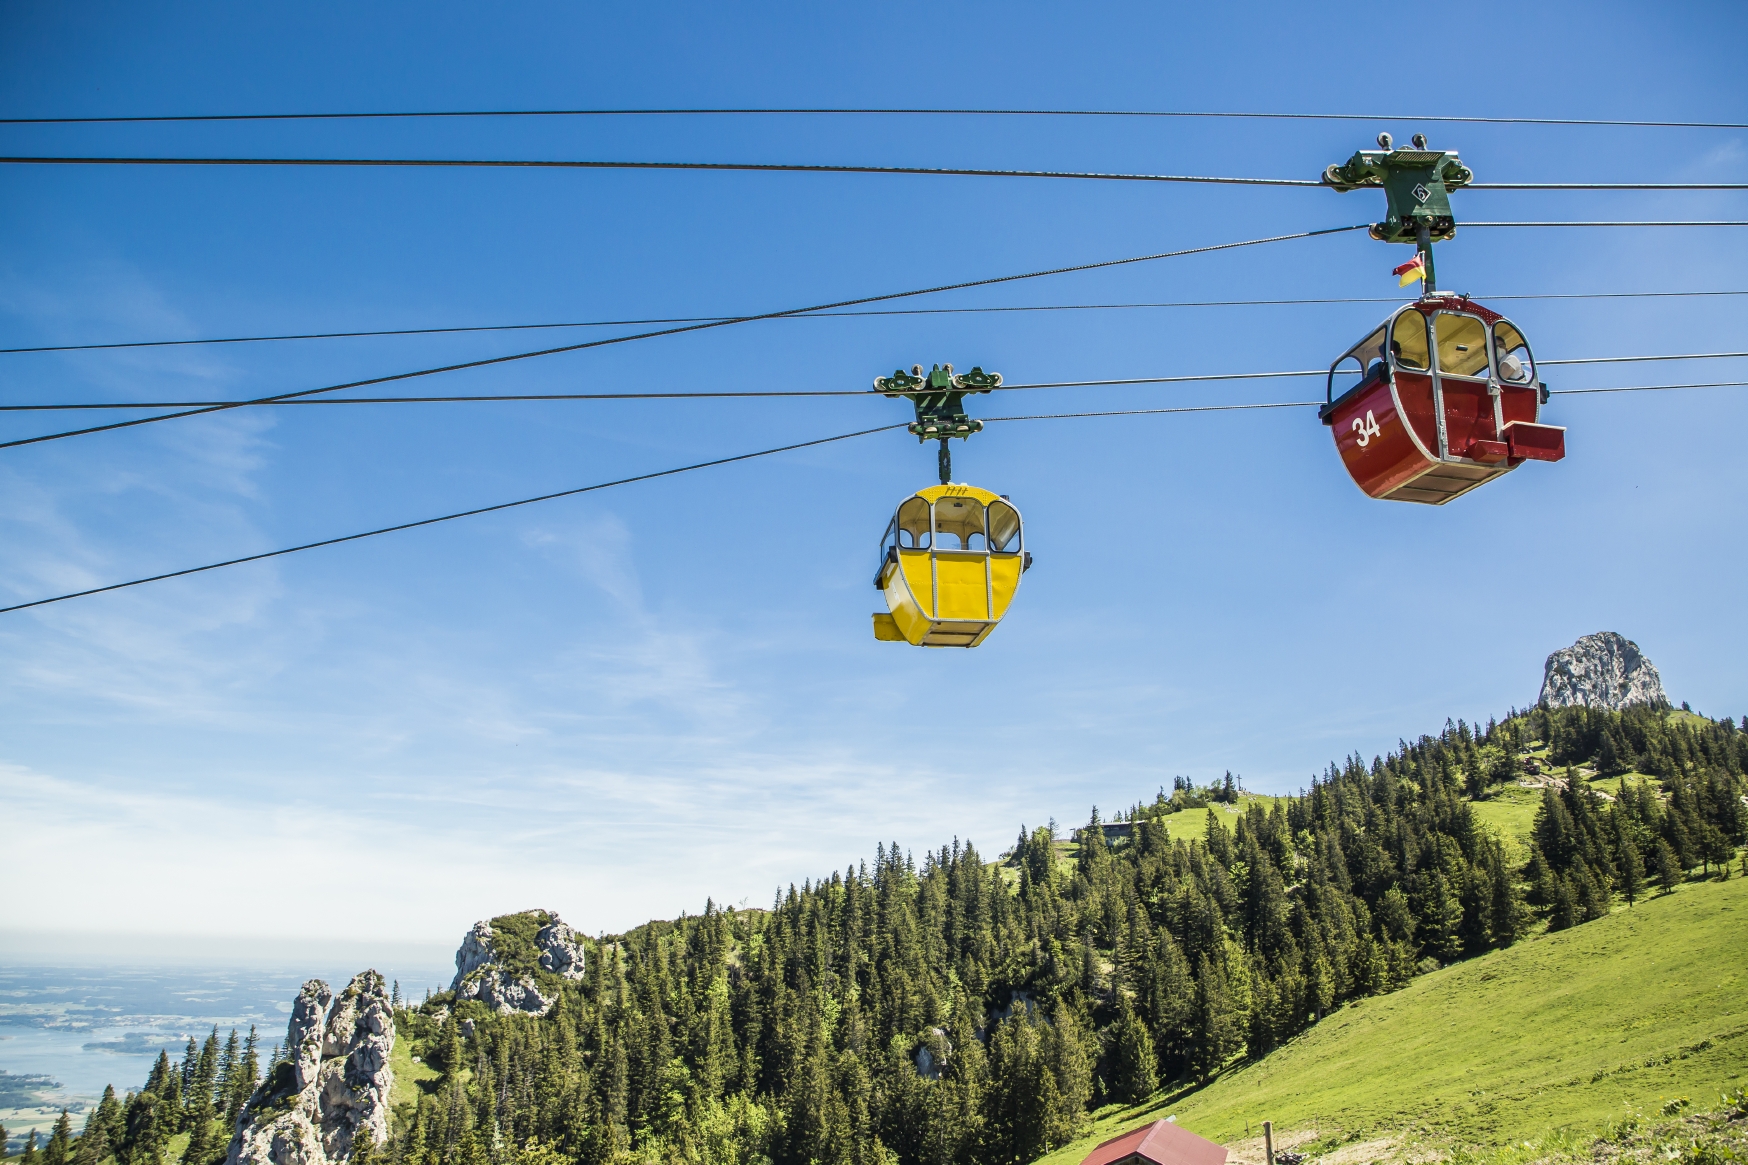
{"type": "Point", "coordinates": [1410, 271]}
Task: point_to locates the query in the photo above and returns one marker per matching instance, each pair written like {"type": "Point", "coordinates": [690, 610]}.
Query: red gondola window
{"type": "Point", "coordinates": [1348, 372]}
{"type": "Point", "coordinates": [1363, 360]}
{"type": "Point", "coordinates": [1513, 354]}
{"type": "Point", "coordinates": [1462, 345]}
{"type": "Point", "coordinates": [1408, 341]}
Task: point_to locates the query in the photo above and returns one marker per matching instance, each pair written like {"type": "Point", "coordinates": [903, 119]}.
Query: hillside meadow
{"type": "Point", "coordinates": [1565, 1031]}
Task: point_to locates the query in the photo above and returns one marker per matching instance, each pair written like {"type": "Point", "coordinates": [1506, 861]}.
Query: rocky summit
{"type": "Point", "coordinates": [332, 1085]}
{"type": "Point", "coordinates": [512, 962]}
{"type": "Point", "coordinates": [1604, 671]}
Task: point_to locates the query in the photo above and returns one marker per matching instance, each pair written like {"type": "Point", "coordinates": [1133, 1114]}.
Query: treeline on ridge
{"type": "Point", "coordinates": [953, 1010]}
{"type": "Point", "coordinates": [200, 1095]}
{"type": "Point", "coordinates": [958, 1010]}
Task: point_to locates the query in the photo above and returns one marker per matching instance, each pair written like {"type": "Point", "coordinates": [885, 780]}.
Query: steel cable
{"type": "Point", "coordinates": [840, 314]}
{"type": "Point", "coordinates": [565, 493]}
{"type": "Point", "coordinates": [799, 168]}
{"type": "Point", "coordinates": [1105, 263]}
{"type": "Point", "coordinates": [709, 464]}
{"type": "Point", "coordinates": [758, 394]}
{"type": "Point", "coordinates": [720, 111]}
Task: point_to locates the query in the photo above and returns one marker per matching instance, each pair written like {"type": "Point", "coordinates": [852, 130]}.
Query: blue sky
{"type": "Point", "coordinates": [618, 705]}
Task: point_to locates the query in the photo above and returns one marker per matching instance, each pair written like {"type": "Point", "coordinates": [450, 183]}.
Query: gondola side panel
{"type": "Point", "coordinates": [909, 590]}
{"type": "Point", "coordinates": [961, 586]}
{"type": "Point", "coordinates": [1415, 400]}
{"type": "Point", "coordinates": [1004, 580]}
{"type": "Point", "coordinates": [1520, 404]}
{"type": "Point", "coordinates": [1468, 415]}
{"type": "Point", "coordinates": [1374, 442]}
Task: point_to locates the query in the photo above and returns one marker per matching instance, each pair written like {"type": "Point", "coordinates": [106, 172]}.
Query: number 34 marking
{"type": "Point", "coordinates": [1366, 427]}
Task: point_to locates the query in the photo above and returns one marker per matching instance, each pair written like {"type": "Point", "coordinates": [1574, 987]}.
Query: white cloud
{"type": "Point", "coordinates": [366, 860]}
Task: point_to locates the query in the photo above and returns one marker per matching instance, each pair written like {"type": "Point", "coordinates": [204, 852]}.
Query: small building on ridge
{"type": "Point", "coordinates": [1160, 1143]}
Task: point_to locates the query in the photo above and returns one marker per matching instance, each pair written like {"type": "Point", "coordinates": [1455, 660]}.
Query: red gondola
{"type": "Point", "coordinates": [1440, 398]}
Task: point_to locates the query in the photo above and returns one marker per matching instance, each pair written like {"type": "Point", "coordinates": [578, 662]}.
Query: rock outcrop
{"type": "Point", "coordinates": [332, 1085]}
{"type": "Point", "coordinates": [502, 962]}
{"type": "Point", "coordinates": [1600, 671]}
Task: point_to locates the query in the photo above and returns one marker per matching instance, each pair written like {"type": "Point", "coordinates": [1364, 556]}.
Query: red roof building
{"type": "Point", "coordinates": [1160, 1143]}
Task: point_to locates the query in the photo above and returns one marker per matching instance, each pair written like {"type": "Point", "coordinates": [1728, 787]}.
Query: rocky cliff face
{"type": "Point", "coordinates": [332, 1085]}
{"type": "Point", "coordinates": [1600, 671]}
{"type": "Point", "coordinates": [501, 962]}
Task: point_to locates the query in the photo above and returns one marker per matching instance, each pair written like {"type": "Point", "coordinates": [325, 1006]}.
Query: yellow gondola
{"type": "Point", "coordinates": [949, 566]}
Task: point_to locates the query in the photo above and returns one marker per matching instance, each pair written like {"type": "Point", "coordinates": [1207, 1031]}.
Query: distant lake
{"type": "Point", "coordinates": [65, 1032]}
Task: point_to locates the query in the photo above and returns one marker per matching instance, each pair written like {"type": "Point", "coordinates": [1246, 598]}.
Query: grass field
{"type": "Point", "coordinates": [1510, 811]}
{"type": "Point", "coordinates": [1192, 824]}
{"type": "Point", "coordinates": [1564, 1031]}
{"type": "Point", "coordinates": [408, 1077]}
{"type": "Point", "coordinates": [1188, 824]}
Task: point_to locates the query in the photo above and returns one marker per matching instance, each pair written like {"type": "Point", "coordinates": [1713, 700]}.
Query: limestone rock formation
{"type": "Point", "coordinates": [332, 1085]}
{"type": "Point", "coordinates": [1600, 671]}
{"type": "Point", "coordinates": [501, 962]}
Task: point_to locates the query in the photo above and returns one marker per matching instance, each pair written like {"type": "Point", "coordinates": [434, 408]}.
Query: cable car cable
{"type": "Point", "coordinates": [584, 164]}
{"type": "Point", "coordinates": [1311, 404]}
{"type": "Point", "coordinates": [1648, 388]}
{"type": "Point", "coordinates": [836, 314]}
{"type": "Point", "coordinates": [1604, 186]}
{"type": "Point", "coordinates": [729, 394]}
{"type": "Point", "coordinates": [1641, 359]}
{"type": "Point", "coordinates": [1636, 223]}
{"type": "Point", "coordinates": [799, 168]}
{"type": "Point", "coordinates": [716, 112]}
{"type": "Point", "coordinates": [1103, 263]}
{"type": "Point", "coordinates": [754, 394]}
{"type": "Point", "coordinates": [446, 518]}
{"type": "Point", "coordinates": [1288, 404]}
{"type": "Point", "coordinates": [728, 461]}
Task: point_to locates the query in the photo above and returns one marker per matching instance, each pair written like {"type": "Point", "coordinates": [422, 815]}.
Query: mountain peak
{"type": "Point", "coordinates": [1605, 670]}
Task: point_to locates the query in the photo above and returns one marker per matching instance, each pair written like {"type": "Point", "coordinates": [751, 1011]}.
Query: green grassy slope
{"type": "Point", "coordinates": [1187, 824]}
{"type": "Point", "coordinates": [1510, 811]}
{"type": "Point", "coordinates": [1558, 1031]}
{"type": "Point", "coordinates": [408, 1078]}
{"type": "Point", "coordinates": [1192, 824]}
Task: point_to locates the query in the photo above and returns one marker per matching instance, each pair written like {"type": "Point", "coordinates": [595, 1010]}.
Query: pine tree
{"type": "Point", "coordinates": [110, 1116]}
{"type": "Point", "coordinates": [190, 1061]}
{"type": "Point", "coordinates": [229, 1062]}
{"type": "Point", "coordinates": [1611, 760]}
{"type": "Point", "coordinates": [92, 1148]}
{"type": "Point", "coordinates": [240, 1081]}
{"type": "Point", "coordinates": [29, 1156]}
{"type": "Point", "coordinates": [1632, 871]}
{"type": "Point", "coordinates": [251, 1072]}
{"type": "Point", "coordinates": [201, 1133]}
{"type": "Point", "coordinates": [1441, 920]}
{"type": "Point", "coordinates": [1134, 1069]}
{"type": "Point", "coordinates": [1718, 851]}
{"type": "Point", "coordinates": [207, 1070]}
{"type": "Point", "coordinates": [59, 1150]}
{"type": "Point", "coordinates": [1563, 910]}
{"type": "Point", "coordinates": [1668, 867]}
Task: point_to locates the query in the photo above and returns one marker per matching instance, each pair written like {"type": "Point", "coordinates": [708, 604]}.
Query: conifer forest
{"type": "Point", "coordinates": [957, 1007]}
